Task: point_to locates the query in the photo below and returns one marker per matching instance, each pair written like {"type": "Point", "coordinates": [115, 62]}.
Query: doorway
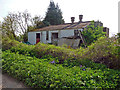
{"type": "Point", "coordinates": [37, 38]}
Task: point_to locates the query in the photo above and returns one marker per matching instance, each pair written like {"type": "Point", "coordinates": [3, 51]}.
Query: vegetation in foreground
{"type": "Point", "coordinates": [46, 73]}
{"type": "Point", "coordinates": [105, 51]}
{"type": "Point", "coordinates": [42, 65]}
{"type": "Point", "coordinates": [45, 66]}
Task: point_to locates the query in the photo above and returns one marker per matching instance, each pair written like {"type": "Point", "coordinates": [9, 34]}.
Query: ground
{"type": "Point", "coordinates": [7, 81]}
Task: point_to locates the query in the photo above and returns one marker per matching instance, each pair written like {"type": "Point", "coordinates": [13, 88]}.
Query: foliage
{"type": "Point", "coordinates": [7, 43]}
{"type": "Point", "coordinates": [38, 50]}
{"type": "Point", "coordinates": [46, 23]}
{"type": "Point", "coordinates": [92, 33]}
{"type": "Point", "coordinates": [15, 24]}
{"type": "Point", "coordinates": [54, 14]}
{"type": "Point", "coordinates": [41, 73]}
{"type": "Point", "coordinates": [19, 38]}
{"type": "Point", "coordinates": [9, 26]}
{"type": "Point", "coordinates": [38, 23]}
{"type": "Point", "coordinates": [0, 37]}
{"type": "Point", "coordinates": [77, 68]}
{"type": "Point", "coordinates": [104, 50]}
{"type": "Point", "coordinates": [118, 37]}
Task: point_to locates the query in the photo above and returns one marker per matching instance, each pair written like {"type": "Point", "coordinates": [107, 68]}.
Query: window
{"type": "Point", "coordinates": [47, 35]}
{"type": "Point", "coordinates": [54, 35]}
{"type": "Point", "coordinates": [76, 32]}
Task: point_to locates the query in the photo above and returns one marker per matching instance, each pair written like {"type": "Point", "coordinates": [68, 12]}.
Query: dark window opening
{"type": "Point", "coordinates": [76, 33]}
{"type": "Point", "coordinates": [47, 35]}
{"type": "Point", "coordinates": [54, 35]}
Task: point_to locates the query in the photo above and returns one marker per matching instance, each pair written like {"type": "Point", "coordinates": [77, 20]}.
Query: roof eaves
{"type": "Point", "coordinates": [68, 27]}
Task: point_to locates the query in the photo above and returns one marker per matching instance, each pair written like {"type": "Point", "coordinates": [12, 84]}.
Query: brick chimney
{"type": "Point", "coordinates": [80, 18]}
{"type": "Point", "coordinates": [72, 19]}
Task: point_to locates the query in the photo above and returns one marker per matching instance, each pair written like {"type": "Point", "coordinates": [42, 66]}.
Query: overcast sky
{"type": "Point", "coordinates": [105, 11]}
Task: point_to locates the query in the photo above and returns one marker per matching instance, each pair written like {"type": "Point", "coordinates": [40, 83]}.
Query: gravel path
{"type": "Point", "coordinates": [10, 82]}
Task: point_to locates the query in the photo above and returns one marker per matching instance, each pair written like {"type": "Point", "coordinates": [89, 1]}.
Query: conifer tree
{"type": "Point", "coordinates": [54, 14]}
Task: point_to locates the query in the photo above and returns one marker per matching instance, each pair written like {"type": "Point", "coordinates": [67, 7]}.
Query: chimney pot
{"type": "Point", "coordinates": [80, 18]}
{"type": "Point", "coordinates": [72, 19]}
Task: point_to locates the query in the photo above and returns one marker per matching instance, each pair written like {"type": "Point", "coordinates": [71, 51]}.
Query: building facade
{"type": "Point", "coordinates": [56, 33]}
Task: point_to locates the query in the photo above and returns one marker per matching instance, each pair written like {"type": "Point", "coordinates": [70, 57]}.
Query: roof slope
{"type": "Point", "coordinates": [66, 26]}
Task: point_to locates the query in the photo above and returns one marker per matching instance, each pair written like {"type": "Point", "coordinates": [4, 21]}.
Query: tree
{"type": "Point", "coordinates": [38, 23]}
{"type": "Point", "coordinates": [17, 24]}
{"type": "Point", "coordinates": [92, 33]}
{"type": "Point", "coordinates": [9, 26]}
{"type": "Point", "coordinates": [23, 20]}
{"type": "Point", "coordinates": [54, 14]}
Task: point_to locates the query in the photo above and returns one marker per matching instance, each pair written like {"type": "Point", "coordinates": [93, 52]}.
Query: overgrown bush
{"type": "Point", "coordinates": [60, 52]}
{"type": "Point", "coordinates": [104, 50]}
{"type": "Point", "coordinates": [7, 43]}
{"type": "Point", "coordinates": [92, 33]}
{"type": "Point", "coordinates": [38, 50]}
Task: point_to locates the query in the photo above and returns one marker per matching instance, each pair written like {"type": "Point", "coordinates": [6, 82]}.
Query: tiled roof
{"type": "Point", "coordinates": [66, 26]}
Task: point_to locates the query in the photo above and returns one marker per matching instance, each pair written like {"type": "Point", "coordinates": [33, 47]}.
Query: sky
{"type": "Point", "coordinates": [105, 11]}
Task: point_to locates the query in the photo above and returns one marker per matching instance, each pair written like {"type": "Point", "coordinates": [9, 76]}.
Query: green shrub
{"type": "Point", "coordinates": [23, 49]}
{"type": "Point", "coordinates": [92, 33]}
{"type": "Point", "coordinates": [7, 43]}
{"type": "Point", "coordinates": [40, 73]}
{"type": "Point", "coordinates": [104, 50]}
{"type": "Point", "coordinates": [55, 51]}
